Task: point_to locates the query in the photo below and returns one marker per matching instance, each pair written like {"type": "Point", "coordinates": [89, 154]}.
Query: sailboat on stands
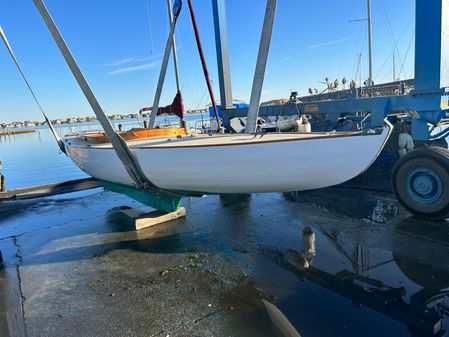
{"type": "Point", "coordinates": [158, 166]}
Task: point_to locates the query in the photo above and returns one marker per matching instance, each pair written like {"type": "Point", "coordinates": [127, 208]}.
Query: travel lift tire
{"type": "Point", "coordinates": [420, 181]}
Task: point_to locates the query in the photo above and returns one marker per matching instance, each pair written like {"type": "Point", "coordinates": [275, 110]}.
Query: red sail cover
{"type": "Point", "coordinates": [176, 108]}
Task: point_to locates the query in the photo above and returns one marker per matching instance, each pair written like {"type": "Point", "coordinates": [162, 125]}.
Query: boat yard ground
{"type": "Point", "coordinates": [74, 266]}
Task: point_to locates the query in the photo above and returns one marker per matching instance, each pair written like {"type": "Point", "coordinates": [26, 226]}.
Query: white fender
{"type": "Point", "coordinates": [405, 144]}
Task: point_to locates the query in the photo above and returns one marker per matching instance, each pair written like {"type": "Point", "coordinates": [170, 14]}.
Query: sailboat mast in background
{"type": "Point", "coordinates": [370, 46]}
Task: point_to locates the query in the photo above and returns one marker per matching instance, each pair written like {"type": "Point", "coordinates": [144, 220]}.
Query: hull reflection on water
{"type": "Point", "coordinates": [420, 253]}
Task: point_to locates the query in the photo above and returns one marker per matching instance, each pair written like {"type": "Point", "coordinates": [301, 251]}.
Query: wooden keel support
{"type": "Point", "coordinates": [142, 219]}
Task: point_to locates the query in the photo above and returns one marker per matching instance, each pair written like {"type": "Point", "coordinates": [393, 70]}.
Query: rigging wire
{"type": "Point", "coordinates": [342, 50]}
{"type": "Point", "coordinates": [408, 50]}
{"type": "Point", "coordinates": [153, 77]}
{"type": "Point", "coordinates": [356, 65]}
{"type": "Point", "coordinates": [360, 48]}
{"type": "Point", "coordinates": [202, 99]}
{"type": "Point", "coordinates": [380, 74]}
{"type": "Point", "coordinates": [390, 30]}
{"type": "Point", "coordinates": [179, 43]}
{"type": "Point", "coordinates": [352, 8]}
{"type": "Point", "coordinates": [8, 47]}
{"type": "Point", "coordinates": [149, 11]}
{"type": "Point", "coordinates": [391, 53]}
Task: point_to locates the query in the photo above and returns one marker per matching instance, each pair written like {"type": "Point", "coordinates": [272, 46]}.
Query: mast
{"type": "Point", "coordinates": [175, 53]}
{"type": "Point", "coordinates": [203, 62]}
{"type": "Point", "coordinates": [370, 47]}
{"type": "Point", "coordinates": [163, 72]}
{"type": "Point", "coordinates": [360, 68]}
{"type": "Point", "coordinates": [359, 75]}
{"type": "Point", "coordinates": [394, 68]}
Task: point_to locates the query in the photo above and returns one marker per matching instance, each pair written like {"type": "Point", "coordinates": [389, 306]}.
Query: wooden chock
{"type": "Point", "coordinates": [142, 219]}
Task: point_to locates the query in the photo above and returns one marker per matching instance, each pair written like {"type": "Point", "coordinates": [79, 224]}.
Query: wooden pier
{"type": "Point", "coordinates": [12, 132]}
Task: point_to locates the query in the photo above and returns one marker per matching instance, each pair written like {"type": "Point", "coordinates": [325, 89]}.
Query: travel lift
{"type": "Point", "coordinates": [420, 179]}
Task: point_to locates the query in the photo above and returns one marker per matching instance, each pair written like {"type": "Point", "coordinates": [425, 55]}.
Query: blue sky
{"type": "Point", "coordinates": [119, 44]}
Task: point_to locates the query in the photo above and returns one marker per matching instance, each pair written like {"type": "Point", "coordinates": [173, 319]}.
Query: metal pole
{"type": "Point", "coordinates": [203, 63]}
{"type": "Point", "coordinates": [118, 143]}
{"type": "Point", "coordinates": [221, 42]}
{"type": "Point", "coordinates": [261, 65]}
{"type": "Point", "coordinates": [175, 54]}
{"type": "Point", "coordinates": [370, 50]}
{"type": "Point", "coordinates": [162, 74]}
{"type": "Point", "coordinates": [360, 69]}
{"type": "Point", "coordinates": [394, 68]}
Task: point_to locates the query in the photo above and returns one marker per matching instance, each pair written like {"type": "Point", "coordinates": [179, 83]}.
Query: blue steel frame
{"type": "Point", "coordinates": [429, 98]}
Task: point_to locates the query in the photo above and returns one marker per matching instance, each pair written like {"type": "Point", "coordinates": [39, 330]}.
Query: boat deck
{"type": "Point", "coordinates": [209, 140]}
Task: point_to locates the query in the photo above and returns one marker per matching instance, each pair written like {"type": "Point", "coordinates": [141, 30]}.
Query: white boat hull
{"type": "Point", "coordinates": [228, 166]}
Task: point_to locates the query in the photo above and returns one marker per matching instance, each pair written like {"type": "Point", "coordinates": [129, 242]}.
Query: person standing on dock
{"type": "Point", "coordinates": [2, 179]}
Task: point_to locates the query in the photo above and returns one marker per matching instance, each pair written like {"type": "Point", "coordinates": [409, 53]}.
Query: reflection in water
{"type": "Point", "coordinates": [308, 246]}
{"type": "Point", "coordinates": [253, 315]}
{"type": "Point", "coordinates": [422, 257]}
{"type": "Point", "coordinates": [304, 259]}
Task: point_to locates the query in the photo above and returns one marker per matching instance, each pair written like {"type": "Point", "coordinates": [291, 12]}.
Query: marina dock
{"type": "Point", "coordinates": [12, 132]}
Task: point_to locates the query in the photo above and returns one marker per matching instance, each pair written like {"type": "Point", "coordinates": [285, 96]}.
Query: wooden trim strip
{"type": "Point", "coordinates": [356, 134]}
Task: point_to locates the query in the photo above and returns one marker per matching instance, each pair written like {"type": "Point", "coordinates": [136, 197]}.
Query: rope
{"type": "Point", "coordinates": [8, 46]}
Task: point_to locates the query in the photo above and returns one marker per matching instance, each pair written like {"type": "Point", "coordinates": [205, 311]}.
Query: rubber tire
{"type": "Point", "coordinates": [434, 158]}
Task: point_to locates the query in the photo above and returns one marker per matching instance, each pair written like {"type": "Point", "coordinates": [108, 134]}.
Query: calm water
{"type": "Point", "coordinates": [34, 158]}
